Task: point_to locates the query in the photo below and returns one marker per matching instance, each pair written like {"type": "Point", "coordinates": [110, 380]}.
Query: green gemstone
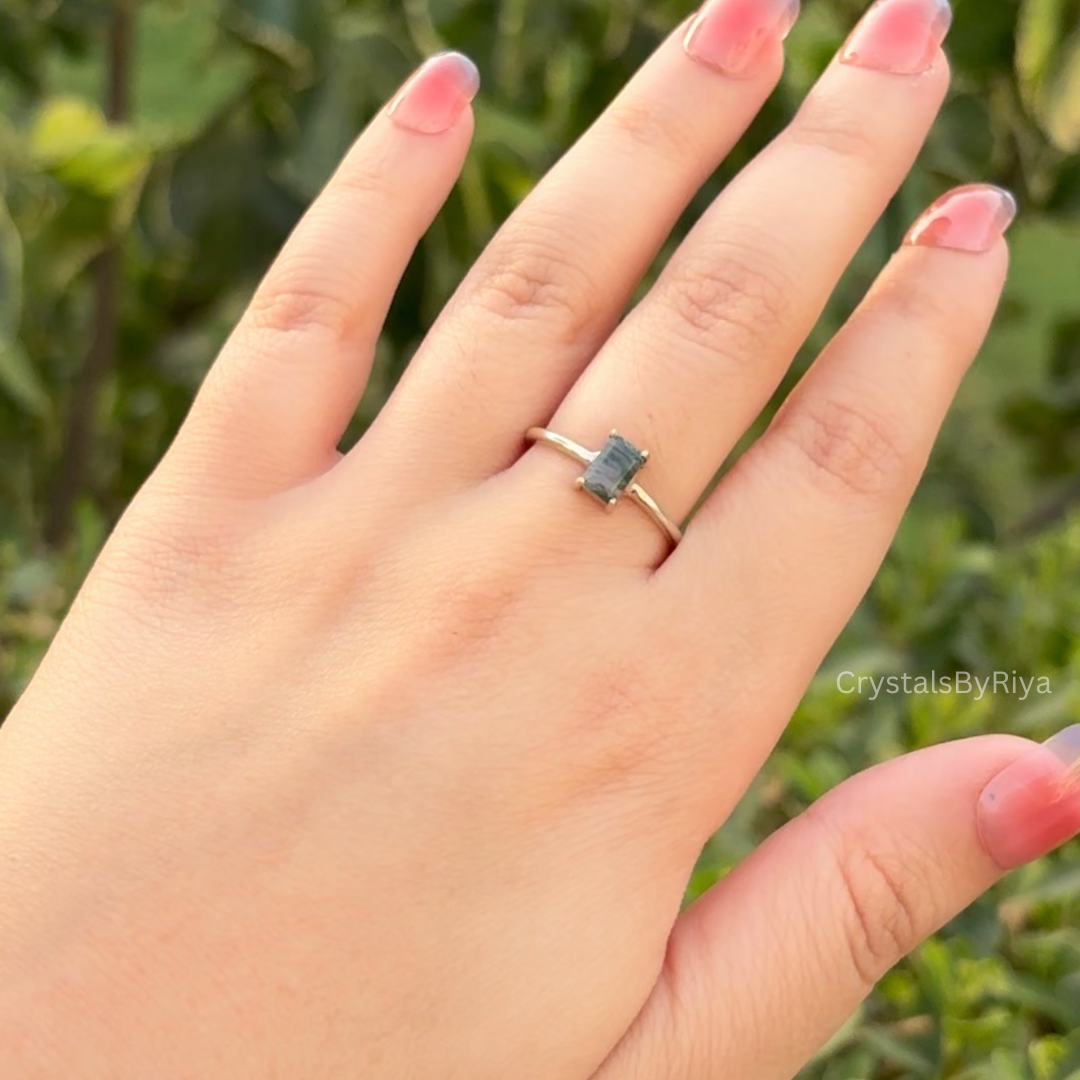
{"type": "Point", "coordinates": [614, 469]}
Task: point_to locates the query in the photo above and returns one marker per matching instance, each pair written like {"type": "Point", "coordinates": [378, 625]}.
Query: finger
{"type": "Point", "coordinates": [794, 535]}
{"type": "Point", "coordinates": [700, 357]}
{"type": "Point", "coordinates": [279, 398]}
{"type": "Point", "coordinates": [804, 927]}
{"type": "Point", "coordinates": [560, 273]}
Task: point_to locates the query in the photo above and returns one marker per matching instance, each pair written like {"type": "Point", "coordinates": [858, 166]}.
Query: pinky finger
{"type": "Point", "coordinates": [797, 530]}
{"type": "Point", "coordinates": [279, 398]}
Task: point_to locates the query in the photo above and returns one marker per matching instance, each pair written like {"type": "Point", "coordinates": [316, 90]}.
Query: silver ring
{"type": "Point", "coordinates": [610, 474]}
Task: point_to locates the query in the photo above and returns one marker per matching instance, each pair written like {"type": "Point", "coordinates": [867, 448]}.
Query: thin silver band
{"type": "Point", "coordinates": [635, 492]}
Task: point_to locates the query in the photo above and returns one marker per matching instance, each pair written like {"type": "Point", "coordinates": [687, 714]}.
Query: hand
{"type": "Point", "coordinates": [395, 765]}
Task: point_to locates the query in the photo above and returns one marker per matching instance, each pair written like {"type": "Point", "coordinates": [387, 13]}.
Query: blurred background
{"type": "Point", "coordinates": [154, 155]}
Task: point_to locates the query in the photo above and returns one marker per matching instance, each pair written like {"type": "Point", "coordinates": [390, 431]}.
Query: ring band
{"type": "Point", "coordinates": [609, 474]}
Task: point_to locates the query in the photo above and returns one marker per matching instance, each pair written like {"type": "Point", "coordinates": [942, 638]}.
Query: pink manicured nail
{"type": "Point", "coordinates": [972, 218]}
{"type": "Point", "coordinates": [437, 94]}
{"type": "Point", "coordinates": [1034, 805]}
{"type": "Point", "coordinates": [899, 36]}
{"type": "Point", "coordinates": [731, 35]}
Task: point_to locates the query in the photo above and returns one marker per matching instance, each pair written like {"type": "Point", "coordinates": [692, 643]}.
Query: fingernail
{"type": "Point", "coordinates": [899, 36]}
{"type": "Point", "coordinates": [972, 218]}
{"type": "Point", "coordinates": [731, 35]}
{"type": "Point", "coordinates": [432, 100]}
{"type": "Point", "coordinates": [1033, 806]}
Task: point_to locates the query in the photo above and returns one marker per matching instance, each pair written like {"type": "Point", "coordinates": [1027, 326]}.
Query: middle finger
{"type": "Point", "coordinates": [553, 283]}
{"type": "Point", "coordinates": [696, 362]}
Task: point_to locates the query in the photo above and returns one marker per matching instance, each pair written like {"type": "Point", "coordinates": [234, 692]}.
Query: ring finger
{"type": "Point", "coordinates": [697, 361]}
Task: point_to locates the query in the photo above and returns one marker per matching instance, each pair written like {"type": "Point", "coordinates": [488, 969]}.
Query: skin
{"type": "Point", "coordinates": [396, 764]}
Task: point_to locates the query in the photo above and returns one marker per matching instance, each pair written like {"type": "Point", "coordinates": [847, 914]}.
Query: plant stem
{"type": "Point", "coordinates": [82, 412]}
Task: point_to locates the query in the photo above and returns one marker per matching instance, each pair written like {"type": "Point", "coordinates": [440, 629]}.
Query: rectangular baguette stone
{"type": "Point", "coordinates": [614, 469]}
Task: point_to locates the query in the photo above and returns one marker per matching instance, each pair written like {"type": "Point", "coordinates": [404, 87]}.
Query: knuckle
{"type": "Point", "coordinates": [655, 129]}
{"type": "Point", "coordinates": [300, 294]}
{"type": "Point", "coordinates": [887, 905]}
{"type": "Point", "coordinates": [906, 301]}
{"type": "Point", "coordinates": [158, 566]}
{"type": "Point", "coordinates": [294, 301]}
{"type": "Point", "coordinates": [837, 129]}
{"type": "Point", "coordinates": [534, 282]}
{"type": "Point", "coordinates": [177, 554]}
{"type": "Point", "coordinates": [474, 612]}
{"type": "Point", "coordinates": [470, 602]}
{"type": "Point", "coordinates": [731, 299]}
{"type": "Point", "coordinates": [360, 187]}
{"type": "Point", "coordinates": [846, 448]}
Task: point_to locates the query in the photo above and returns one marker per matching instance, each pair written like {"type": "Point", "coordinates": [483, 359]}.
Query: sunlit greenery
{"type": "Point", "coordinates": [148, 231]}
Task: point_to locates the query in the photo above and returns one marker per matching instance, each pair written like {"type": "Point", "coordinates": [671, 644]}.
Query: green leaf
{"type": "Point", "coordinates": [1060, 883]}
{"type": "Point", "coordinates": [66, 243]}
{"type": "Point", "coordinates": [1048, 65]}
{"type": "Point", "coordinates": [898, 1051]}
{"type": "Point", "coordinates": [20, 381]}
{"type": "Point", "coordinates": [1042, 295]}
{"type": "Point", "coordinates": [65, 126]}
{"type": "Point", "coordinates": [843, 1036]}
{"type": "Point", "coordinates": [184, 73]}
{"type": "Point", "coordinates": [294, 32]}
{"type": "Point", "coordinates": [1062, 109]}
{"type": "Point", "coordinates": [179, 46]}
{"type": "Point", "coordinates": [72, 140]}
{"type": "Point", "coordinates": [1006, 1065]}
{"type": "Point", "coordinates": [11, 277]}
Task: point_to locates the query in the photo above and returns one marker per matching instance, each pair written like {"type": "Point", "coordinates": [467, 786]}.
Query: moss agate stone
{"type": "Point", "coordinates": [614, 469]}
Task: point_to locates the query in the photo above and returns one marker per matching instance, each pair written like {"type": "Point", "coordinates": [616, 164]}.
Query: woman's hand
{"type": "Point", "coordinates": [396, 764]}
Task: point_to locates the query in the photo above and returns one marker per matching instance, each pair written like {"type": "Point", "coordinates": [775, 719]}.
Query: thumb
{"type": "Point", "coordinates": [765, 967]}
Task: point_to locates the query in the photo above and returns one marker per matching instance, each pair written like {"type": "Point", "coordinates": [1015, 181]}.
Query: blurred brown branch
{"type": "Point", "coordinates": [83, 407]}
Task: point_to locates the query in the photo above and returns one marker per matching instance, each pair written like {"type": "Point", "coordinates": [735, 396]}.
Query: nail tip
{"type": "Point", "coordinates": [791, 16]}
{"type": "Point", "coordinates": [1066, 744]}
{"type": "Point", "coordinates": [1010, 208]}
{"type": "Point", "coordinates": [467, 68]}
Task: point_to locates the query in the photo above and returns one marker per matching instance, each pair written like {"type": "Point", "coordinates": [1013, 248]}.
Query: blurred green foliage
{"type": "Point", "coordinates": [238, 111]}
